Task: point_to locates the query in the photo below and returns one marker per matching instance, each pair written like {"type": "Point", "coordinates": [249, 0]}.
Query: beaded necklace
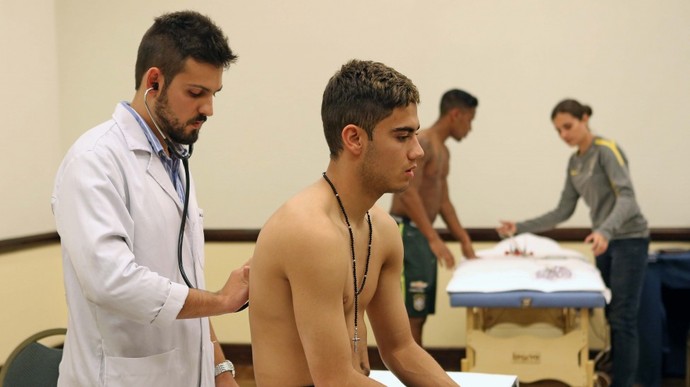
{"type": "Point", "coordinates": [355, 339]}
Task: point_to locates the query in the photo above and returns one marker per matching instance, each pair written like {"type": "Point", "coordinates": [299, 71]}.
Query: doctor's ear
{"type": "Point", "coordinates": [153, 79]}
{"type": "Point", "coordinates": [353, 138]}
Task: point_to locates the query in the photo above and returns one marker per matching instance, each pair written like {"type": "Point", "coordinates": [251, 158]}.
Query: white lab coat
{"type": "Point", "coordinates": [118, 216]}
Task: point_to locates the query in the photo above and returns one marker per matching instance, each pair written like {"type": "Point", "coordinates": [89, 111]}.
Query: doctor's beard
{"type": "Point", "coordinates": [171, 126]}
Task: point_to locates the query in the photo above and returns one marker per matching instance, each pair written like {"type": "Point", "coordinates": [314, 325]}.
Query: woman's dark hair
{"type": "Point", "coordinates": [175, 37]}
{"type": "Point", "coordinates": [573, 108]}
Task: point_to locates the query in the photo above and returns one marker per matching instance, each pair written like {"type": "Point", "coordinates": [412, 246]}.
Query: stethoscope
{"type": "Point", "coordinates": [184, 155]}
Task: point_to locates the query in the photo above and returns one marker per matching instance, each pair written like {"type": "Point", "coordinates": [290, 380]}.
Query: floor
{"type": "Point", "coordinates": [245, 378]}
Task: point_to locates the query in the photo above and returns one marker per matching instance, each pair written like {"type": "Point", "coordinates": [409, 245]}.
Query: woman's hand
{"type": "Point", "coordinates": [506, 229]}
{"type": "Point", "coordinates": [598, 241]}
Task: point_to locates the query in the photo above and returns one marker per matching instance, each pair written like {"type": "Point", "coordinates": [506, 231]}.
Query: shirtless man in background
{"type": "Point", "coordinates": [417, 208]}
{"type": "Point", "coordinates": [329, 254]}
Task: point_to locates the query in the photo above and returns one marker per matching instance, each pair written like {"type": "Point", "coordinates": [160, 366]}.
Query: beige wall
{"type": "Point", "coordinates": [33, 297]}
{"type": "Point", "coordinates": [30, 117]}
{"type": "Point", "coordinates": [67, 63]}
{"type": "Point", "coordinates": [32, 294]}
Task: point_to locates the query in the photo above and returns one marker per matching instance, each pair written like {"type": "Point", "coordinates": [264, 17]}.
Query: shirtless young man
{"type": "Point", "coordinates": [307, 321]}
{"type": "Point", "coordinates": [416, 209]}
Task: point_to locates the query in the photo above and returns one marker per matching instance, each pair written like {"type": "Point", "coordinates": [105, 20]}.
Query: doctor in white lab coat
{"type": "Point", "coordinates": [132, 320]}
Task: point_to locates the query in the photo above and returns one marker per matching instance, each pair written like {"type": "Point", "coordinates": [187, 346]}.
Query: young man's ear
{"type": "Point", "coordinates": [458, 113]}
{"type": "Point", "coordinates": [353, 138]}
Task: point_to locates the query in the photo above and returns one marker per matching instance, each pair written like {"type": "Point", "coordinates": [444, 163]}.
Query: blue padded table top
{"type": "Point", "coordinates": [528, 299]}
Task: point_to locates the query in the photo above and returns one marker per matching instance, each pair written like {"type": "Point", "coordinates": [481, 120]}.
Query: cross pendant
{"type": "Point", "coordinates": [355, 340]}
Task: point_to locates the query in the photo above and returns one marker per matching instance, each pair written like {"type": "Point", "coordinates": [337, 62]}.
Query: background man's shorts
{"type": "Point", "coordinates": [420, 270]}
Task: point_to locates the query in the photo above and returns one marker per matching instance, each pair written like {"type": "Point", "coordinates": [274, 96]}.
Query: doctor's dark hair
{"type": "Point", "coordinates": [571, 107]}
{"type": "Point", "coordinates": [362, 93]}
{"type": "Point", "coordinates": [175, 37]}
{"type": "Point", "coordinates": [457, 98]}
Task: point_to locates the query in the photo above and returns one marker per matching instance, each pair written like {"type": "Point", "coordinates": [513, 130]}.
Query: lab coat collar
{"type": "Point", "coordinates": [137, 141]}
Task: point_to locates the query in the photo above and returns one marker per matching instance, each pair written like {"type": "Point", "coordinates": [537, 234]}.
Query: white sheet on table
{"type": "Point", "coordinates": [536, 246]}
{"type": "Point", "coordinates": [465, 379]}
{"type": "Point", "coordinates": [494, 271]}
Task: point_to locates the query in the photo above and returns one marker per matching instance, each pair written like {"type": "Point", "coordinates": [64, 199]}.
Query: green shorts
{"type": "Point", "coordinates": [420, 271]}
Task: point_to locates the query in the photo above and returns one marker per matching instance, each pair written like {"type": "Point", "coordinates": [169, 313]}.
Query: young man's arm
{"type": "Point", "coordinates": [416, 211]}
{"type": "Point", "coordinates": [417, 214]}
{"type": "Point", "coordinates": [450, 218]}
{"type": "Point", "coordinates": [388, 318]}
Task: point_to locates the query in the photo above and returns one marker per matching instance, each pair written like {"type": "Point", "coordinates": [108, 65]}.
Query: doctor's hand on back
{"type": "Point", "coordinates": [233, 296]}
{"type": "Point", "coordinates": [237, 287]}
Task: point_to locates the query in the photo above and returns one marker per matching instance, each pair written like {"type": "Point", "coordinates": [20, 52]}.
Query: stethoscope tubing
{"type": "Point", "coordinates": [184, 155]}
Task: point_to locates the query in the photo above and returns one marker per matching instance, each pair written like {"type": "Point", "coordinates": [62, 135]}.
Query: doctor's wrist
{"type": "Point", "coordinates": [235, 303]}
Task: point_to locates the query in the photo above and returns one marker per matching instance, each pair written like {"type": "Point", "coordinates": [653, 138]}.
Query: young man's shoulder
{"type": "Point", "coordinates": [382, 218]}
{"type": "Point", "coordinates": [301, 239]}
{"type": "Point", "coordinates": [301, 217]}
{"type": "Point", "coordinates": [385, 226]}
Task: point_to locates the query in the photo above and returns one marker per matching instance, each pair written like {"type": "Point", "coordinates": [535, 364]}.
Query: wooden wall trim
{"type": "Point", "coordinates": [231, 235]}
{"type": "Point", "coordinates": [14, 244]}
{"type": "Point", "coordinates": [477, 234]}
{"type": "Point", "coordinates": [670, 234]}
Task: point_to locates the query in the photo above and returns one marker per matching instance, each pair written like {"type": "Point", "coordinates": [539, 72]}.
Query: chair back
{"type": "Point", "coordinates": [33, 364]}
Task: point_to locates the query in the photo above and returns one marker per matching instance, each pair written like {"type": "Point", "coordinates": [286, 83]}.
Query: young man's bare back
{"type": "Point", "coordinates": [430, 177]}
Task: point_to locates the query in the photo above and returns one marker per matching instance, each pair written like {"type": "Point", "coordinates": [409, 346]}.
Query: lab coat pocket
{"type": "Point", "coordinates": [157, 370]}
